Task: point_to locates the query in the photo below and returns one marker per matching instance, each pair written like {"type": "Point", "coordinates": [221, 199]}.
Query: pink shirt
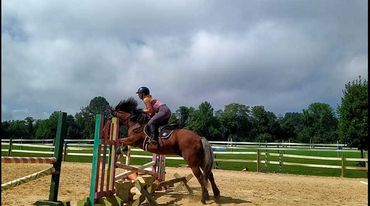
{"type": "Point", "coordinates": [156, 103]}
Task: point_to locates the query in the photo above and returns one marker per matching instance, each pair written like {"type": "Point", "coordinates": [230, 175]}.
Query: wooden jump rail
{"type": "Point", "coordinates": [54, 170]}
{"type": "Point", "coordinates": [147, 188]}
{"type": "Point", "coordinates": [133, 169]}
{"type": "Point", "coordinates": [39, 160]}
{"type": "Point", "coordinates": [27, 178]}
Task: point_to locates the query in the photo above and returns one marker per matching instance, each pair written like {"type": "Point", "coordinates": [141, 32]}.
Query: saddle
{"type": "Point", "coordinates": [164, 132]}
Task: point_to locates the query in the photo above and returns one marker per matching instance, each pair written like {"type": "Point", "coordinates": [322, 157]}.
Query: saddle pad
{"type": "Point", "coordinates": [164, 131]}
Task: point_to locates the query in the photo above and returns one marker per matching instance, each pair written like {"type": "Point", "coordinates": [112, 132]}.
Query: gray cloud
{"type": "Point", "coordinates": [58, 55]}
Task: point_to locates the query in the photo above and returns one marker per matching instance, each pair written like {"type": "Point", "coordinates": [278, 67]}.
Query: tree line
{"type": "Point", "coordinates": [318, 123]}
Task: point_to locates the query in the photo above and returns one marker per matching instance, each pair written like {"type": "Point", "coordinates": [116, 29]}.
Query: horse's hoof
{"type": "Point", "coordinates": [203, 201]}
{"type": "Point", "coordinates": [119, 151]}
{"type": "Point", "coordinates": [217, 195]}
{"type": "Point", "coordinates": [206, 197]}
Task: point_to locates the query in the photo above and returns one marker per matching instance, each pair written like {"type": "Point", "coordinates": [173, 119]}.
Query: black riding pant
{"type": "Point", "coordinates": [161, 117]}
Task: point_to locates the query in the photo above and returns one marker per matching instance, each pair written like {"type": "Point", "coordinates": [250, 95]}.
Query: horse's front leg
{"type": "Point", "coordinates": [130, 140]}
{"type": "Point", "coordinates": [126, 141]}
{"type": "Point", "coordinates": [122, 145]}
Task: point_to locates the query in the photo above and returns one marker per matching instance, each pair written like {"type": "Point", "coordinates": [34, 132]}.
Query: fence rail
{"type": "Point", "coordinates": [216, 143]}
{"type": "Point", "coordinates": [261, 156]}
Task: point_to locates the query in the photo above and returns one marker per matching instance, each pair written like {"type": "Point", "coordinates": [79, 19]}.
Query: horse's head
{"type": "Point", "coordinates": [127, 111]}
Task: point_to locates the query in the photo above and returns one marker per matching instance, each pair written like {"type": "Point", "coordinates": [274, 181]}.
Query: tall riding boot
{"type": "Point", "coordinates": [154, 134]}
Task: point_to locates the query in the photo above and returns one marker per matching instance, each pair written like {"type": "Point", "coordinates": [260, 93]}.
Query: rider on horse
{"type": "Point", "coordinates": [158, 111]}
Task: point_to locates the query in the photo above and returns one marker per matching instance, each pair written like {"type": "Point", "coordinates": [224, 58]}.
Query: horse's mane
{"type": "Point", "coordinates": [130, 106]}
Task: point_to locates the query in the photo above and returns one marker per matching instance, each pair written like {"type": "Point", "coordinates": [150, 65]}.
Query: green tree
{"type": "Point", "coordinates": [14, 129]}
{"type": "Point", "coordinates": [97, 105]}
{"type": "Point", "coordinates": [183, 115]}
{"type": "Point", "coordinates": [43, 128]}
{"type": "Point", "coordinates": [353, 115]}
{"type": "Point", "coordinates": [265, 126]}
{"type": "Point", "coordinates": [5, 129]}
{"type": "Point", "coordinates": [47, 128]}
{"type": "Point", "coordinates": [291, 125]}
{"type": "Point", "coordinates": [235, 122]}
{"type": "Point", "coordinates": [173, 119]}
{"type": "Point", "coordinates": [320, 123]}
{"type": "Point", "coordinates": [204, 122]}
{"type": "Point", "coordinates": [20, 129]}
{"type": "Point", "coordinates": [30, 126]}
{"type": "Point", "coordinates": [85, 120]}
{"type": "Point", "coordinates": [73, 131]}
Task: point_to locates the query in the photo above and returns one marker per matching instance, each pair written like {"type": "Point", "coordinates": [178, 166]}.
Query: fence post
{"type": "Point", "coordinates": [128, 155]}
{"type": "Point", "coordinates": [366, 162]}
{"type": "Point", "coordinates": [61, 133]}
{"type": "Point", "coordinates": [280, 160]}
{"type": "Point", "coordinates": [258, 160]}
{"type": "Point", "coordinates": [65, 151]}
{"type": "Point", "coordinates": [58, 154]}
{"type": "Point", "coordinates": [342, 173]}
{"type": "Point", "coordinates": [214, 166]}
{"type": "Point", "coordinates": [10, 146]}
{"type": "Point", "coordinates": [266, 160]}
{"type": "Point", "coordinates": [96, 160]}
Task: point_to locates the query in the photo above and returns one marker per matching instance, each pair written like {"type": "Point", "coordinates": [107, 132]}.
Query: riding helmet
{"type": "Point", "coordinates": [143, 90]}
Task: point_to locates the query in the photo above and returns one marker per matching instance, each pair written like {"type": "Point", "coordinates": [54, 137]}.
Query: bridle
{"type": "Point", "coordinates": [125, 121]}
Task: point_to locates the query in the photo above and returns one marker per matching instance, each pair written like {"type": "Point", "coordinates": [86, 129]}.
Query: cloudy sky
{"type": "Point", "coordinates": [282, 54]}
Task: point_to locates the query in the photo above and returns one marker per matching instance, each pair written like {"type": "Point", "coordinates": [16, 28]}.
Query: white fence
{"type": "Point", "coordinates": [214, 143]}
{"type": "Point", "coordinates": [261, 155]}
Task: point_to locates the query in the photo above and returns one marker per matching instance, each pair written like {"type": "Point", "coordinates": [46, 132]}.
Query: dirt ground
{"type": "Point", "coordinates": [237, 187]}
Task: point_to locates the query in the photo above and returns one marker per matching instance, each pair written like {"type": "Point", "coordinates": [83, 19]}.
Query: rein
{"type": "Point", "coordinates": [135, 130]}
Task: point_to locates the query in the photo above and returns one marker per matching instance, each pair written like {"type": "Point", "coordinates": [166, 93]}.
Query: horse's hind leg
{"type": "Point", "coordinates": [216, 191]}
{"type": "Point", "coordinates": [199, 175]}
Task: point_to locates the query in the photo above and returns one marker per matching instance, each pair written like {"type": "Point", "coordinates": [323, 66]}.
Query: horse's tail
{"type": "Point", "coordinates": [207, 159]}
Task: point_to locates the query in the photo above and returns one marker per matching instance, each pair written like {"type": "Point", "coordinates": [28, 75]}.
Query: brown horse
{"type": "Point", "coordinates": [195, 150]}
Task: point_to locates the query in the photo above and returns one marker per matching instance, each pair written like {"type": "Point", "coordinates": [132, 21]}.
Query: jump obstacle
{"type": "Point", "coordinates": [54, 171]}
{"type": "Point", "coordinates": [107, 188]}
